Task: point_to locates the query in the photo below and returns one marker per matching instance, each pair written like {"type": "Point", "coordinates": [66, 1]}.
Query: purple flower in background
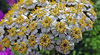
{"type": "Point", "coordinates": [1, 15]}
{"type": "Point", "coordinates": [7, 52]}
{"type": "Point", "coordinates": [10, 2]}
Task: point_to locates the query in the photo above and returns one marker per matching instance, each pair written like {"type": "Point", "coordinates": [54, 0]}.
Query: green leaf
{"type": "Point", "coordinates": [47, 52]}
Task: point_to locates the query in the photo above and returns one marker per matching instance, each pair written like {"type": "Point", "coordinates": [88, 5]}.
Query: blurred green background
{"type": "Point", "coordinates": [90, 44]}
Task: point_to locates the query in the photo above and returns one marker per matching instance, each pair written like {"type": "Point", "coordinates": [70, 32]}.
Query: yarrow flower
{"type": "Point", "coordinates": [36, 24]}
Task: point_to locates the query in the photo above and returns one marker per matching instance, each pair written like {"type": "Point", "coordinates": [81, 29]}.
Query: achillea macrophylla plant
{"type": "Point", "coordinates": [46, 25]}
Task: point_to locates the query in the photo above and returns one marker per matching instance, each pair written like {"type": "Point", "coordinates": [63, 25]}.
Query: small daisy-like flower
{"type": "Point", "coordinates": [45, 41]}
{"type": "Point", "coordinates": [46, 23]}
{"type": "Point", "coordinates": [64, 46]}
{"type": "Point", "coordinates": [5, 43]}
{"type": "Point", "coordinates": [54, 11]}
{"type": "Point", "coordinates": [32, 41]}
{"type": "Point", "coordinates": [70, 19]}
{"type": "Point", "coordinates": [12, 34]}
{"type": "Point", "coordinates": [76, 34]}
{"type": "Point", "coordinates": [32, 27]}
{"type": "Point", "coordinates": [19, 20]}
{"type": "Point", "coordinates": [60, 6]}
{"type": "Point", "coordinates": [22, 31]}
{"type": "Point", "coordinates": [59, 29]}
{"type": "Point", "coordinates": [41, 2]}
{"type": "Point", "coordinates": [82, 22]}
{"type": "Point", "coordinates": [39, 12]}
{"type": "Point", "coordinates": [22, 47]}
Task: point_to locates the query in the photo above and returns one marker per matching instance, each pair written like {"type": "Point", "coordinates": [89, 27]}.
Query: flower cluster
{"type": "Point", "coordinates": [32, 24]}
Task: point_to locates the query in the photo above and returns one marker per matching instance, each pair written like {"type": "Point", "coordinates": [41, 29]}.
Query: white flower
{"type": "Point", "coordinates": [64, 46]}
{"type": "Point", "coordinates": [45, 41]}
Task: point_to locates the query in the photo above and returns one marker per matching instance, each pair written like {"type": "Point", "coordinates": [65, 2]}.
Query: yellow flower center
{"type": "Point", "coordinates": [82, 22]}
{"type": "Point", "coordinates": [39, 13]}
{"type": "Point", "coordinates": [21, 11]}
{"type": "Point", "coordinates": [65, 45]}
{"type": "Point", "coordinates": [93, 12]}
{"type": "Point", "coordinates": [45, 40]}
{"type": "Point", "coordinates": [84, 1]}
{"type": "Point", "coordinates": [1, 22]}
{"type": "Point", "coordinates": [9, 21]}
{"type": "Point", "coordinates": [12, 31]}
{"type": "Point", "coordinates": [15, 46]}
{"type": "Point", "coordinates": [46, 22]}
{"type": "Point", "coordinates": [60, 27]}
{"type": "Point", "coordinates": [32, 40]}
{"type": "Point", "coordinates": [90, 23]}
{"type": "Point", "coordinates": [76, 32]}
{"type": "Point", "coordinates": [28, 2]}
{"type": "Point", "coordinates": [41, 1]}
{"type": "Point", "coordinates": [60, 6]}
{"type": "Point", "coordinates": [55, 11]}
{"type": "Point", "coordinates": [20, 20]}
{"type": "Point", "coordinates": [5, 43]}
{"type": "Point", "coordinates": [62, 0]}
{"type": "Point", "coordinates": [32, 26]}
{"type": "Point", "coordinates": [71, 0]}
{"type": "Point", "coordinates": [22, 31]}
{"type": "Point", "coordinates": [70, 20]}
{"type": "Point", "coordinates": [23, 47]}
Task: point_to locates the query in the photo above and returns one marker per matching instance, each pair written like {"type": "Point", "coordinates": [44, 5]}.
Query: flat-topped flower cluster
{"type": "Point", "coordinates": [45, 24]}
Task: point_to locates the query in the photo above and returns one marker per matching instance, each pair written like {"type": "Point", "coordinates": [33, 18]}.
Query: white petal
{"type": "Point", "coordinates": [50, 47]}
{"type": "Point", "coordinates": [58, 41]}
{"type": "Point", "coordinates": [62, 35]}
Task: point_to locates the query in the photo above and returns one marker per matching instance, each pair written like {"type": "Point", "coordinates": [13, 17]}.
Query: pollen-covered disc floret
{"type": "Point", "coordinates": [35, 25]}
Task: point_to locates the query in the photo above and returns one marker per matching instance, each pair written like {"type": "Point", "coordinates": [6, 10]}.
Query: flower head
{"type": "Point", "coordinates": [34, 25]}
